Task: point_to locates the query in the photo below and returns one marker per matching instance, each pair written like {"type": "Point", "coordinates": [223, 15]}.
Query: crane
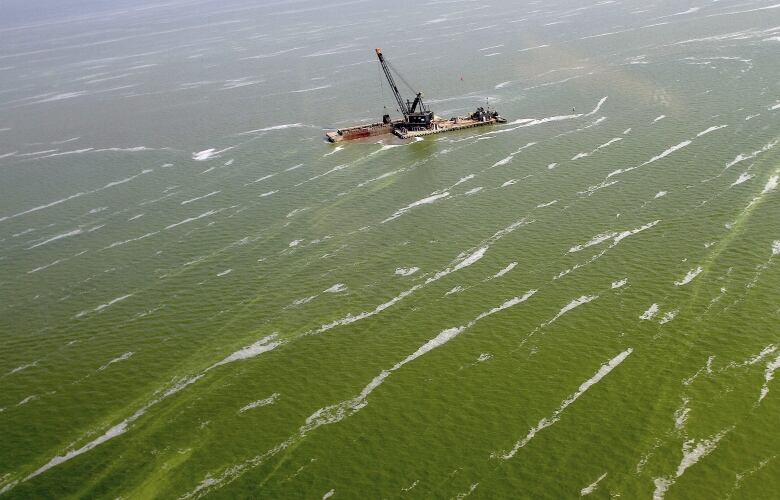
{"type": "Point", "coordinates": [416, 114]}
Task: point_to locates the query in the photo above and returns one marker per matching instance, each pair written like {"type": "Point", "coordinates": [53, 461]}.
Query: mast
{"type": "Point", "coordinates": [401, 104]}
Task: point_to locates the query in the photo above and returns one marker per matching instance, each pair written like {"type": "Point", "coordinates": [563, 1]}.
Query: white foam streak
{"type": "Point", "coordinates": [771, 184]}
{"type": "Point", "coordinates": [692, 453]}
{"type": "Point", "coordinates": [592, 487]}
{"type": "Point", "coordinates": [124, 242]}
{"type": "Point", "coordinates": [619, 283]}
{"type": "Point", "coordinates": [425, 201]}
{"type": "Point", "coordinates": [664, 154]}
{"type": "Point", "coordinates": [185, 202]}
{"type": "Point", "coordinates": [207, 154]}
{"type": "Point", "coordinates": [689, 276]}
{"type": "Point", "coordinates": [41, 268]}
{"type": "Point", "coordinates": [599, 238]}
{"type": "Point", "coordinates": [602, 372]}
{"type": "Point", "coordinates": [743, 177]}
{"type": "Point", "coordinates": [274, 127]}
{"type": "Point", "coordinates": [261, 402]}
{"type": "Point", "coordinates": [406, 271]}
{"type": "Point", "coordinates": [572, 305]}
{"type": "Point", "coordinates": [74, 232]}
{"type": "Point", "coordinates": [505, 270]}
{"type": "Point", "coordinates": [337, 288]}
{"type": "Point", "coordinates": [112, 302]}
{"type": "Point", "coordinates": [769, 374]}
{"type": "Point", "coordinates": [711, 129]}
{"type": "Point", "coordinates": [123, 357]}
{"type": "Point", "coordinates": [114, 431]}
{"type": "Point", "coordinates": [668, 316]}
{"type": "Point", "coordinates": [191, 219]}
{"type": "Point", "coordinates": [265, 344]}
{"type": "Point", "coordinates": [349, 318]}
{"type": "Point", "coordinates": [598, 106]}
{"type": "Point", "coordinates": [651, 311]}
{"type": "Point", "coordinates": [749, 156]}
{"type": "Point", "coordinates": [776, 247]}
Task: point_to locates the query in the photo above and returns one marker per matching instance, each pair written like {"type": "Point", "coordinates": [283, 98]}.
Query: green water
{"type": "Point", "coordinates": [200, 297]}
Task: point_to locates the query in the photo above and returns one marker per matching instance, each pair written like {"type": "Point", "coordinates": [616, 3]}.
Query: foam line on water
{"type": "Point", "coordinates": [132, 149]}
{"type": "Point", "coordinates": [191, 219]}
{"type": "Point", "coordinates": [74, 232]}
{"type": "Point", "coordinates": [76, 195]}
{"type": "Point", "coordinates": [22, 367]}
{"type": "Point", "coordinates": [771, 184]}
{"type": "Point", "coordinates": [198, 198]}
{"type": "Point", "coordinates": [509, 158]}
{"type": "Point", "coordinates": [406, 271]}
{"type": "Point", "coordinates": [46, 266]}
{"type": "Point", "coordinates": [464, 260]}
{"type": "Point", "coordinates": [530, 122]}
{"type": "Point", "coordinates": [425, 201]}
{"type": "Point", "coordinates": [261, 402]}
{"type": "Point", "coordinates": [619, 283]}
{"type": "Point", "coordinates": [710, 129]}
{"type": "Point", "coordinates": [592, 486]}
{"type": "Point", "coordinates": [208, 154]}
{"type": "Point", "coordinates": [571, 305]}
{"type": "Point", "coordinates": [273, 127]}
{"type": "Point", "coordinates": [602, 372]}
{"type": "Point", "coordinates": [749, 156]}
{"type": "Point", "coordinates": [124, 242]}
{"type": "Point", "coordinates": [264, 345]}
{"type": "Point", "coordinates": [690, 276]}
{"type": "Point", "coordinates": [769, 375]}
{"type": "Point", "coordinates": [505, 270]}
{"type": "Point", "coordinates": [650, 313]}
{"type": "Point", "coordinates": [596, 240]}
{"type": "Point", "coordinates": [768, 7]}
{"type": "Point", "coordinates": [337, 412]}
{"type": "Point", "coordinates": [660, 156]}
{"type": "Point", "coordinates": [335, 150]}
{"type": "Point", "coordinates": [692, 453]}
{"type": "Point", "coordinates": [112, 432]}
{"type": "Point", "coordinates": [268, 343]}
{"type": "Point", "coordinates": [743, 177]}
{"type": "Point", "coordinates": [123, 357]}
{"type": "Point", "coordinates": [616, 239]}
{"type": "Point", "coordinates": [668, 316]}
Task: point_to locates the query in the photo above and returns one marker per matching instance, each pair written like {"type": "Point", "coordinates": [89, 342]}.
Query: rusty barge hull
{"type": "Point", "coordinates": [438, 126]}
{"type": "Point", "coordinates": [359, 132]}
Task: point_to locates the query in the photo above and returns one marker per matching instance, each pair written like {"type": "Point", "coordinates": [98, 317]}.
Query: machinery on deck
{"type": "Point", "coordinates": [418, 120]}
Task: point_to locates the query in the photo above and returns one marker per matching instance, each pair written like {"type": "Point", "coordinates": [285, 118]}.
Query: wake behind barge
{"type": "Point", "coordinates": [417, 119]}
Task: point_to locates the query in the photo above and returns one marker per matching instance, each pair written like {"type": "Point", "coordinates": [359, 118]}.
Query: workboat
{"type": "Point", "coordinates": [418, 120]}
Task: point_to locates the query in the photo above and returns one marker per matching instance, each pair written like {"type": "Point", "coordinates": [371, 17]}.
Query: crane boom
{"type": "Point", "coordinates": [402, 107]}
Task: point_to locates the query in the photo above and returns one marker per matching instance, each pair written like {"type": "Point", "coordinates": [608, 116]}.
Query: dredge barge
{"type": "Point", "coordinates": [418, 120]}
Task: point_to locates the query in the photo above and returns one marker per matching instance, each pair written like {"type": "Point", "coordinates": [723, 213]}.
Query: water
{"type": "Point", "coordinates": [201, 297]}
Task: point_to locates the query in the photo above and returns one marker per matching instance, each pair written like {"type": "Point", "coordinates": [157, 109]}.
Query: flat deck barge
{"type": "Point", "coordinates": [418, 120]}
